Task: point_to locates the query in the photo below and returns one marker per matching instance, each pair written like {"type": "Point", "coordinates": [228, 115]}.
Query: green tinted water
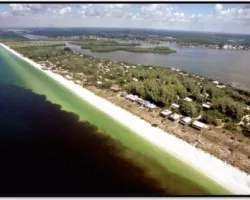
{"type": "Point", "coordinates": [13, 70]}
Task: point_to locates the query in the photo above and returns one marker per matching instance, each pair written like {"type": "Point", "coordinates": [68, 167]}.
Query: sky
{"type": "Point", "coordinates": [230, 18]}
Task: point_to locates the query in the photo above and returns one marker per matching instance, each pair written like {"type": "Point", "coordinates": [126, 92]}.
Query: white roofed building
{"type": "Point", "coordinates": [165, 113]}
{"type": "Point", "coordinates": [206, 106]}
{"type": "Point", "coordinates": [185, 120]}
{"type": "Point", "coordinates": [199, 125]}
{"type": "Point", "coordinates": [174, 117]}
{"type": "Point", "coordinates": [188, 99]}
{"type": "Point", "coordinates": [174, 105]}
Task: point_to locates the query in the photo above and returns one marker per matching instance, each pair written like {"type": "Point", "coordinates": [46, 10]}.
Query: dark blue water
{"type": "Point", "coordinates": [47, 151]}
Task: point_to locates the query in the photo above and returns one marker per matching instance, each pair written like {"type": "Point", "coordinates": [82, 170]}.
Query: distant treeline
{"type": "Point", "coordinates": [130, 49]}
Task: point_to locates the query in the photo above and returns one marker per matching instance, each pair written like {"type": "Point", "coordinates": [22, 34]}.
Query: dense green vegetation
{"type": "Point", "coordinates": [159, 85]}
{"type": "Point", "coordinates": [110, 45]}
{"type": "Point", "coordinates": [130, 49]}
{"type": "Point", "coordinates": [94, 42]}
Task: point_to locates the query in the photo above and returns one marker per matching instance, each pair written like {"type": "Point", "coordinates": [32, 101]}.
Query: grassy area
{"type": "Point", "coordinates": [169, 170]}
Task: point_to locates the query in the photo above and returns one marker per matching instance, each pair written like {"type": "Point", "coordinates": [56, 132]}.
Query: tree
{"type": "Point", "coordinates": [221, 45]}
{"type": "Point", "coordinates": [189, 109]}
{"type": "Point", "coordinates": [229, 107]}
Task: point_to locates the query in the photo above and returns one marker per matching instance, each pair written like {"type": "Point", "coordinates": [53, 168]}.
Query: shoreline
{"type": "Point", "coordinates": [232, 83]}
{"type": "Point", "coordinates": [229, 177]}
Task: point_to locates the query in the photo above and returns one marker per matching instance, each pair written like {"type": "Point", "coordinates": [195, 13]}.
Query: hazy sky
{"type": "Point", "coordinates": [199, 17]}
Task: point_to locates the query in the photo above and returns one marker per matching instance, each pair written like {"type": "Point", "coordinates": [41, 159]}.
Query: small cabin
{"type": "Point", "coordinates": [165, 113]}
{"type": "Point", "coordinates": [115, 88]}
{"type": "Point", "coordinates": [206, 106]}
{"type": "Point", "coordinates": [140, 101]}
{"type": "Point", "coordinates": [174, 117]}
{"type": "Point", "coordinates": [149, 105]}
{"type": "Point", "coordinates": [199, 125]}
{"type": "Point", "coordinates": [175, 106]}
{"type": "Point", "coordinates": [131, 97]}
{"type": "Point", "coordinates": [185, 120]}
{"type": "Point", "coordinates": [188, 99]}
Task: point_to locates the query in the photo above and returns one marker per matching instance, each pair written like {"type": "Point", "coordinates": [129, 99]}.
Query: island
{"type": "Point", "coordinates": [206, 113]}
{"type": "Point", "coordinates": [110, 45]}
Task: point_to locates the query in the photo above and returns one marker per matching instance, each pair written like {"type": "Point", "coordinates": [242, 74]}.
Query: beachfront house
{"type": "Point", "coordinates": [148, 105]}
{"type": "Point", "coordinates": [199, 125]}
{"type": "Point", "coordinates": [175, 106]}
{"type": "Point", "coordinates": [185, 120]}
{"type": "Point", "coordinates": [115, 88]}
{"type": "Point", "coordinates": [188, 99]}
{"type": "Point", "coordinates": [165, 113]}
{"type": "Point", "coordinates": [206, 106]}
{"type": "Point", "coordinates": [220, 86]}
{"type": "Point", "coordinates": [132, 97]}
{"type": "Point", "coordinates": [135, 79]}
{"type": "Point", "coordinates": [140, 101]}
{"type": "Point", "coordinates": [68, 77]}
{"type": "Point", "coordinates": [99, 82]}
{"type": "Point", "coordinates": [78, 82]}
{"type": "Point", "coordinates": [124, 94]}
{"type": "Point", "coordinates": [174, 117]}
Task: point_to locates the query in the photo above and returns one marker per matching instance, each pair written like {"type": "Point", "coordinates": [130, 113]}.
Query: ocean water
{"type": "Point", "coordinates": [46, 150]}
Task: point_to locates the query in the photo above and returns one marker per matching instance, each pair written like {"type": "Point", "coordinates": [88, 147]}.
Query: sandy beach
{"type": "Point", "coordinates": [226, 175]}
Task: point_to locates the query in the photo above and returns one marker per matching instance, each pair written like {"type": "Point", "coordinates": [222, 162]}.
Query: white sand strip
{"type": "Point", "coordinates": [229, 177]}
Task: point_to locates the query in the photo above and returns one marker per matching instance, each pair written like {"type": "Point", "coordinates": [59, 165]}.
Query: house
{"type": "Point", "coordinates": [216, 82]}
{"type": "Point", "coordinates": [149, 105]}
{"type": "Point", "coordinates": [115, 88]}
{"type": "Point", "coordinates": [188, 99]}
{"type": "Point", "coordinates": [206, 106]}
{"type": "Point", "coordinates": [185, 120]}
{"type": "Point", "coordinates": [44, 68]}
{"type": "Point", "coordinates": [68, 77]}
{"type": "Point", "coordinates": [78, 82]}
{"type": "Point", "coordinates": [131, 97]}
{"type": "Point", "coordinates": [220, 86]}
{"type": "Point", "coordinates": [135, 79]}
{"type": "Point", "coordinates": [199, 125]}
{"type": "Point", "coordinates": [165, 113]}
{"type": "Point", "coordinates": [124, 94]}
{"type": "Point", "coordinates": [140, 101]}
{"type": "Point", "coordinates": [174, 117]}
{"type": "Point", "coordinates": [174, 105]}
{"type": "Point", "coordinates": [126, 66]}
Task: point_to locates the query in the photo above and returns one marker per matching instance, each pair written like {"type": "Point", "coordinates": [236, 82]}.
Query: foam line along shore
{"type": "Point", "coordinates": [229, 177]}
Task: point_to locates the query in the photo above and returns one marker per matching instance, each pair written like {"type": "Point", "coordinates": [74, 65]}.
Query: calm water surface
{"type": "Point", "coordinates": [47, 151]}
{"type": "Point", "coordinates": [229, 66]}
